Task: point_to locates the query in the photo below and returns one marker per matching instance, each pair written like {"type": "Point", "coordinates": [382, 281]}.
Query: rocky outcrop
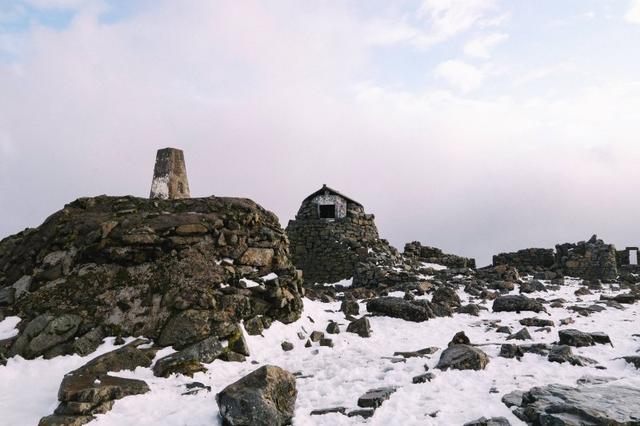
{"type": "Point", "coordinates": [177, 271]}
{"type": "Point", "coordinates": [516, 303]}
{"type": "Point", "coordinates": [585, 405]}
{"type": "Point", "coordinates": [265, 397]}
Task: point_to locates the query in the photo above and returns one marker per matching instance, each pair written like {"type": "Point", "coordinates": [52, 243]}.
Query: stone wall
{"type": "Point", "coordinates": [172, 270]}
{"type": "Point", "coordinates": [526, 259]}
{"type": "Point", "coordinates": [328, 251]}
{"type": "Point", "coordinates": [434, 255]}
{"type": "Point", "coordinates": [592, 259]}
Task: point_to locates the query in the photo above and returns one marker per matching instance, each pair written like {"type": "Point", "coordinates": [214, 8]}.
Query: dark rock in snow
{"type": "Point", "coordinates": [585, 405]}
{"type": "Point", "coordinates": [364, 413]}
{"type": "Point", "coordinates": [536, 322]}
{"type": "Point", "coordinates": [446, 295]}
{"type": "Point", "coordinates": [516, 303]}
{"type": "Point", "coordinates": [462, 357]}
{"type": "Point", "coordinates": [576, 338]}
{"type": "Point", "coordinates": [333, 328]}
{"type": "Point", "coordinates": [471, 309]}
{"type": "Point", "coordinates": [361, 327]}
{"type": "Point", "coordinates": [493, 421]}
{"type": "Point", "coordinates": [459, 339]}
{"type": "Point", "coordinates": [397, 307]}
{"type": "Point", "coordinates": [374, 398]}
{"type": "Point", "coordinates": [286, 346]}
{"type": "Point", "coordinates": [190, 359]}
{"type": "Point", "coordinates": [265, 397]}
{"type": "Point", "coordinates": [532, 286]}
{"type": "Point", "coordinates": [520, 335]}
{"type": "Point", "coordinates": [423, 378]}
{"type": "Point", "coordinates": [419, 353]}
{"type": "Point", "coordinates": [563, 353]}
{"type": "Point", "coordinates": [350, 307]}
{"type": "Point", "coordinates": [323, 411]}
{"type": "Point", "coordinates": [633, 359]}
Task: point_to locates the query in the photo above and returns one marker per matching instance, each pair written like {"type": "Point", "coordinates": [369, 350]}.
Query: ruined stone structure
{"type": "Point", "coordinates": [435, 255]}
{"type": "Point", "coordinates": [528, 259]}
{"type": "Point", "coordinates": [627, 259]}
{"type": "Point", "coordinates": [170, 175]}
{"type": "Point", "coordinates": [176, 271]}
{"type": "Point", "coordinates": [593, 259]}
{"type": "Point", "coordinates": [330, 234]}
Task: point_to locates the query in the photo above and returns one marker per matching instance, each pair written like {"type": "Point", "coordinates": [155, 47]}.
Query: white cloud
{"type": "Point", "coordinates": [447, 18]}
{"type": "Point", "coordinates": [460, 75]}
{"type": "Point", "coordinates": [633, 14]}
{"type": "Point", "coordinates": [481, 47]}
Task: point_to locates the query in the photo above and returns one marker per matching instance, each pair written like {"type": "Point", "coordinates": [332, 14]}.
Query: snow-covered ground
{"type": "Point", "coordinates": [339, 375]}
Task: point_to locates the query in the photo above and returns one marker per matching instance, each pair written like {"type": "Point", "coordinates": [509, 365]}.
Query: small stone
{"type": "Point", "coordinates": [286, 346]}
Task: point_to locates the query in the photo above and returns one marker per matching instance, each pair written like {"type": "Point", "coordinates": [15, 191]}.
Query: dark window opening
{"type": "Point", "coordinates": [633, 257]}
{"type": "Point", "coordinates": [328, 211]}
{"type": "Point", "coordinates": [180, 188]}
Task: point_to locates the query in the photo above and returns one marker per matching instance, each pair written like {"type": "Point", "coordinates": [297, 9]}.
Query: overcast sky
{"type": "Point", "coordinates": [477, 126]}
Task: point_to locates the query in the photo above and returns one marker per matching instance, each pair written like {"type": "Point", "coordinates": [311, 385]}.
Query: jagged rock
{"type": "Point", "coordinates": [316, 336]}
{"type": "Point", "coordinates": [493, 421]}
{"type": "Point", "coordinates": [516, 303]}
{"type": "Point", "coordinates": [361, 327]}
{"type": "Point", "coordinates": [423, 378]}
{"type": "Point", "coordinates": [374, 398]}
{"type": "Point", "coordinates": [633, 359]}
{"type": "Point", "coordinates": [171, 270]}
{"type": "Point", "coordinates": [471, 309]}
{"type": "Point", "coordinates": [459, 339]}
{"type": "Point", "coordinates": [508, 350]}
{"type": "Point", "coordinates": [265, 397]}
{"type": "Point", "coordinates": [576, 338]}
{"type": "Point", "coordinates": [520, 335]}
{"type": "Point", "coordinates": [397, 307]}
{"type": "Point", "coordinates": [90, 390]}
{"type": "Point", "coordinates": [585, 405]}
{"type": "Point", "coordinates": [190, 359]}
{"type": "Point", "coordinates": [462, 357]}
{"type": "Point", "coordinates": [350, 307]}
{"type": "Point", "coordinates": [532, 286]}
{"type": "Point", "coordinates": [326, 342]}
{"type": "Point", "coordinates": [286, 346]}
{"type": "Point", "coordinates": [563, 353]}
{"type": "Point", "coordinates": [333, 328]}
{"type": "Point", "coordinates": [446, 295]}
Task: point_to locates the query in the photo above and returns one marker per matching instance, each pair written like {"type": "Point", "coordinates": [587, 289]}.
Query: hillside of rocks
{"type": "Point", "coordinates": [175, 271]}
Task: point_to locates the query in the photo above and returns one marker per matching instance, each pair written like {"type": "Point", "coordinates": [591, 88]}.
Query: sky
{"type": "Point", "coordinates": [477, 126]}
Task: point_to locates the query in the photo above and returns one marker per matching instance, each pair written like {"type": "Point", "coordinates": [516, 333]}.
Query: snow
{"type": "Point", "coordinates": [8, 327]}
{"type": "Point", "coordinates": [344, 283]}
{"type": "Point", "coordinates": [249, 283]}
{"type": "Point", "coordinates": [434, 266]}
{"type": "Point", "coordinates": [343, 373]}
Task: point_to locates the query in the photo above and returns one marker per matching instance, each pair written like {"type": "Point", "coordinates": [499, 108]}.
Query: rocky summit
{"type": "Point", "coordinates": [176, 310]}
{"type": "Point", "coordinates": [175, 271]}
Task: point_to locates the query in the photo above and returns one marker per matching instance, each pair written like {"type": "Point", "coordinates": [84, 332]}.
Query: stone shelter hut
{"type": "Point", "coordinates": [330, 234]}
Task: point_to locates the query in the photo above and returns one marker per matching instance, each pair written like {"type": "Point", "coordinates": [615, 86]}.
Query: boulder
{"type": "Point", "coordinates": [397, 307]}
{"type": "Point", "coordinates": [361, 327]}
{"type": "Point", "coordinates": [493, 421]}
{"type": "Point", "coordinates": [584, 405]}
{"type": "Point", "coordinates": [516, 303]}
{"type": "Point", "coordinates": [462, 357]}
{"type": "Point", "coordinates": [563, 353]}
{"type": "Point", "coordinates": [265, 397]}
{"type": "Point", "coordinates": [576, 338]}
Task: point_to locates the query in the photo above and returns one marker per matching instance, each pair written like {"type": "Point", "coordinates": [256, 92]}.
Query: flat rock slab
{"type": "Point", "coordinates": [585, 405]}
{"type": "Point", "coordinates": [374, 398]}
{"type": "Point", "coordinates": [516, 303]}
{"type": "Point", "coordinates": [397, 307]}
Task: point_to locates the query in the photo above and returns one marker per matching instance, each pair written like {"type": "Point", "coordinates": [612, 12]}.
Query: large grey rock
{"type": "Point", "coordinates": [561, 405]}
{"type": "Point", "coordinates": [361, 327]}
{"type": "Point", "coordinates": [397, 307]}
{"type": "Point", "coordinates": [516, 303]}
{"type": "Point", "coordinates": [189, 360]}
{"type": "Point", "coordinates": [577, 338]}
{"type": "Point", "coordinates": [265, 397]}
{"type": "Point", "coordinates": [462, 357]}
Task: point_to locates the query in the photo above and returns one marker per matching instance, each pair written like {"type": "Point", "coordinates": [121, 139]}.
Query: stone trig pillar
{"type": "Point", "coordinates": [170, 175]}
